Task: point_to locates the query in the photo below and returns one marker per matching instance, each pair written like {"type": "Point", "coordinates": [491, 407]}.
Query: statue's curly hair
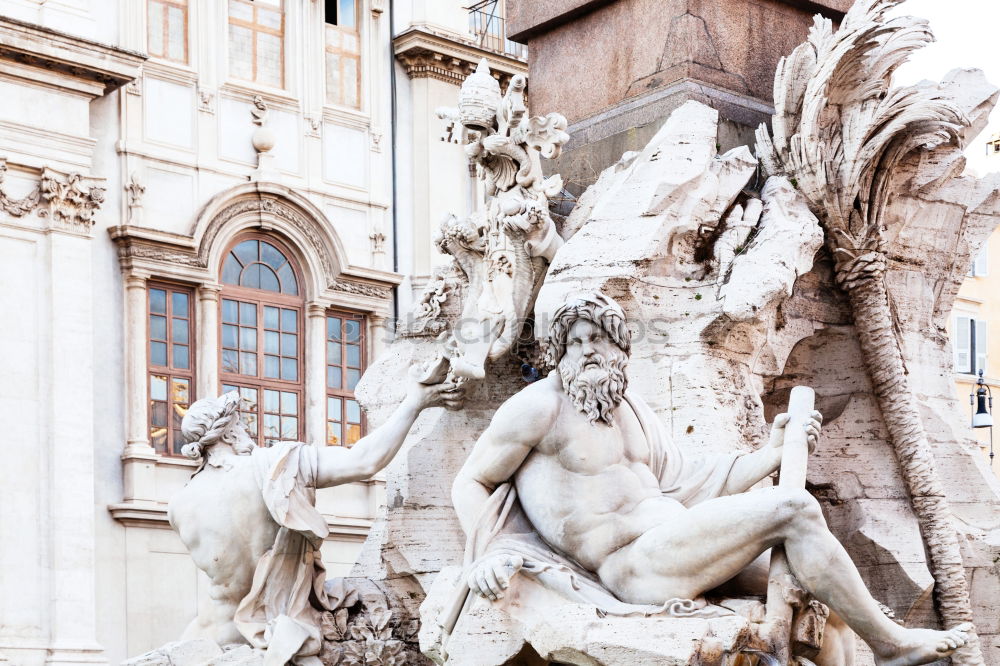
{"type": "Point", "coordinates": [595, 307]}
{"type": "Point", "coordinates": [207, 422]}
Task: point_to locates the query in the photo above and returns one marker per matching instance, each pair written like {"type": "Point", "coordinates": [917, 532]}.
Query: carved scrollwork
{"type": "Point", "coordinates": [71, 199]}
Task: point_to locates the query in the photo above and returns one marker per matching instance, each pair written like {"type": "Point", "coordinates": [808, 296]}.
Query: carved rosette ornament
{"type": "Point", "coordinates": [505, 246]}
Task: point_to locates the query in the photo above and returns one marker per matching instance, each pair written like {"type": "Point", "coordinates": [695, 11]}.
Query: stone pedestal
{"type": "Point", "coordinates": [634, 61]}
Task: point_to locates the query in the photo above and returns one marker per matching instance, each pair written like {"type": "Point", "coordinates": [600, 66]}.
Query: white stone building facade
{"type": "Point", "coordinates": [198, 196]}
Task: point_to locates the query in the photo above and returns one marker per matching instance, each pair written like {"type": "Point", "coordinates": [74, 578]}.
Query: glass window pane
{"type": "Point", "coordinates": [272, 424]}
{"type": "Point", "coordinates": [333, 77]}
{"type": "Point", "coordinates": [289, 370]}
{"type": "Point", "coordinates": [353, 377]}
{"type": "Point", "coordinates": [271, 401]}
{"type": "Point", "coordinates": [289, 321]}
{"type": "Point", "coordinates": [353, 330]}
{"type": "Point", "coordinates": [248, 314]}
{"type": "Point", "coordinates": [346, 14]}
{"type": "Point", "coordinates": [180, 304]}
{"type": "Point", "coordinates": [157, 387]}
{"type": "Point", "coordinates": [247, 252]}
{"type": "Point", "coordinates": [353, 411]}
{"type": "Point", "coordinates": [229, 310]}
{"type": "Point", "coordinates": [230, 361]}
{"type": "Point", "coordinates": [231, 270]}
{"type": "Point", "coordinates": [289, 343]}
{"type": "Point", "coordinates": [177, 416]}
{"type": "Point", "coordinates": [181, 360]}
{"type": "Point", "coordinates": [240, 10]}
{"type": "Point", "coordinates": [157, 301]}
{"type": "Point", "coordinates": [289, 403]}
{"type": "Point", "coordinates": [269, 59]}
{"type": "Point", "coordinates": [175, 34]}
{"type": "Point", "coordinates": [179, 330]}
{"type": "Point", "coordinates": [271, 342]}
{"type": "Point", "coordinates": [333, 351]}
{"type": "Point", "coordinates": [289, 427]}
{"type": "Point", "coordinates": [271, 255]}
{"type": "Point", "coordinates": [333, 377]}
{"type": "Point", "coordinates": [333, 328]}
{"type": "Point", "coordinates": [158, 439]}
{"type": "Point", "coordinates": [353, 434]}
{"type": "Point", "coordinates": [248, 339]}
{"type": "Point", "coordinates": [226, 388]}
{"type": "Point", "coordinates": [229, 336]}
{"type": "Point", "coordinates": [333, 409]}
{"type": "Point", "coordinates": [248, 398]}
{"type": "Point", "coordinates": [181, 392]}
{"type": "Point", "coordinates": [288, 283]}
{"type": "Point", "coordinates": [158, 353]}
{"type": "Point", "coordinates": [349, 44]}
{"type": "Point", "coordinates": [240, 52]}
{"type": "Point", "coordinates": [332, 434]}
{"type": "Point", "coordinates": [270, 317]}
{"type": "Point", "coordinates": [268, 279]}
{"type": "Point", "coordinates": [354, 356]}
{"type": "Point", "coordinates": [350, 82]}
{"type": "Point", "coordinates": [251, 276]}
{"type": "Point", "coordinates": [269, 18]}
{"type": "Point", "coordinates": [178, 442]}
{"type": "Point", "coordinates": [248, 364]}
{"type": "Point", "coordinates": [157, 327]}
{"type": "Point", "coordinates": [271, 367]}
{"type": "Point", "coordinates": [158, 414]}
{"type": "Point", "coordinates": [155, 29]}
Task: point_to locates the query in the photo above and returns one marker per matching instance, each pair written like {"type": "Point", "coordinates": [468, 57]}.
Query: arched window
{"type": "Point", "coordinates": [261, 337]}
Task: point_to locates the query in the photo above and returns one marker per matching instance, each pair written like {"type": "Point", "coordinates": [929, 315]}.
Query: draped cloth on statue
{"type": "Point", "coordinates": [283, 609]}
{"type": "Point", "coordinates": [503, 528]}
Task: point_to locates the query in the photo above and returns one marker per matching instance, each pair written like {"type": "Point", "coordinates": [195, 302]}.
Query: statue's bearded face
{"type": "Point", "coordinates": [593, 371]}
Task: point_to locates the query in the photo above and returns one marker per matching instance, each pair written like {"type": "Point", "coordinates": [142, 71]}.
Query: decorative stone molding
{"type": "Point", "coordinates": [426, 53]}
{"type": "Point", "coordinates": [313, 126]}
{"type": "Point", "coordinates": [375, 138]}
{"type": "Point", "coordinates": [134, 87]}
{"type": "Point", "coordinates": [206, 100]}
{"type": "Point", "coordinates": [71, 200]}
{"type": "Point", "coordinates": [362, 288]}
{"type": "Point", "coordinates": [16, 207]}
{"type": "Point", "coordinates": [378, 6]}
{"type": "Point", "coordinates": [134, 190]}
{"type": "Point", "coordinates": [68, 200]}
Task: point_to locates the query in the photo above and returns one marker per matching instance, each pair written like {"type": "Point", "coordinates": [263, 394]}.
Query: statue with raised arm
{"type": "Point", "coordinates": [576, 485]}
{"type": "Point", "coordinates": [248, 518]}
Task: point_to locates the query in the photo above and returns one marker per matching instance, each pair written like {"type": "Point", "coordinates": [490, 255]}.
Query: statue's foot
{"type": "Point", "coordinates": [922, 646]}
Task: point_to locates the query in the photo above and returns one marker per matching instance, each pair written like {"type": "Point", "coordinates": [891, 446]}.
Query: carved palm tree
{"type": "Point", "coordinates": [840, 132]}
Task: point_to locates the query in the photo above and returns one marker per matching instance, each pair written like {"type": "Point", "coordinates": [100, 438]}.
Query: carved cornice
{"type": "Point", "coordinates": [425, 53]}
{"type": "Point", "coordinates": [358, 288]}
{"type": "Point", "coordinates": [82, 59]}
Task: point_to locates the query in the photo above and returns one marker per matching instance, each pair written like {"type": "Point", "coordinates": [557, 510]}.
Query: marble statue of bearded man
{"type": "Point", "coordinates": [612, 513]}
{"type": "Point", "coordinates": [249, 520]}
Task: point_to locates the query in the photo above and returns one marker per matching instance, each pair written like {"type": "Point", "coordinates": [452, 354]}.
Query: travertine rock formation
{"type": "Point", "coordinates": [728, 313]}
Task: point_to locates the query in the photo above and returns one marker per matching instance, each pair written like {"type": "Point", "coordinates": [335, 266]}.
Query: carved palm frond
{"type": "Point", "coordinates": [840, 129]}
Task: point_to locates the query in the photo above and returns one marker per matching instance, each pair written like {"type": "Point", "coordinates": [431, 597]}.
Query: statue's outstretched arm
{"type": "Point", "coordinates": [339, 465]}
{"type": "Point", "coordinates": [752, 467]}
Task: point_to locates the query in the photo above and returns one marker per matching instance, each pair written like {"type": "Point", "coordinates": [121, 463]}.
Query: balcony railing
{"type": "Point", "coordinates": [486, 23]}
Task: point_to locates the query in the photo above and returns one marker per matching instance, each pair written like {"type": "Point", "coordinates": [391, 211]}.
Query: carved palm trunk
{"type": "Point", "coordinates": [864, 281]}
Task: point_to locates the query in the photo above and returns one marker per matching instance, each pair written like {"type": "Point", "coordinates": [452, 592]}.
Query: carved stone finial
{"type": "Point", "coordinates": [263, 141]}
{"type": "Point", "coordinates": [479, 99]}
{"type": "Point", "coordinates": [135, 189]}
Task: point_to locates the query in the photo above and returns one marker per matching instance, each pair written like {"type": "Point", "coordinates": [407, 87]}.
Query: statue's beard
{"type": "Point", "coordinates": [597, 389]}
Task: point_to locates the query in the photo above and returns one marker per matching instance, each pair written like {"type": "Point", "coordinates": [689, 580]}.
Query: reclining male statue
{"type": "Point", "coordinates": [607, 492]}
{"type": "Point", "coordinates": [248, 518]}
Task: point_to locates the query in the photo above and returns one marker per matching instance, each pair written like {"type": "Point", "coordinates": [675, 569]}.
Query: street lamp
{"type": "Point", "coordinates": [981, 400]}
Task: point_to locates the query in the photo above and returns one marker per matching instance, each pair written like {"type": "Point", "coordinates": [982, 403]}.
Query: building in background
{"type": "Point", "coordinates": [196, 196]}
{"type": "Point", "coordinates": [975, 321]}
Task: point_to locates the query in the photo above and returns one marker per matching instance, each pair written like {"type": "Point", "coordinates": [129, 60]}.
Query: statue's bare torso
{"type": "Point", "coordinates": [588, 488]}
{"type": "Point", "coordinates": [221, 518]}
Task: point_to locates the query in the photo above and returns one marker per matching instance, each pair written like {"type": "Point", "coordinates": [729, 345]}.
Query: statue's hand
{"type": "Point", "coordinates": [813, 426]}
{"type": "Point", "coordinates": [491, 575]}
{"type": "Point", "coordinates": [449, 393]}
